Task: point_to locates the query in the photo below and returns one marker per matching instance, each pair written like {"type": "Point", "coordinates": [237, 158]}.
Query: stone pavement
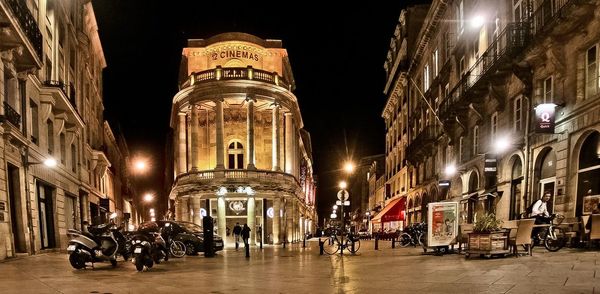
{"type": "Point", "coordinates": [298, 270]}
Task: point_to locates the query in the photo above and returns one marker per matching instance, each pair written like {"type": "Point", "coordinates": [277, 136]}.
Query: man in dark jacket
{"type": "Point", "coordinates": [237, 230]}
{"type": "Point", "coordinates": [246, 235]}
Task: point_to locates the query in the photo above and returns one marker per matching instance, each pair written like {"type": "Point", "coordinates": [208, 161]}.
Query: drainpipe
{"type": "Point", "coordinates": [527, 153]}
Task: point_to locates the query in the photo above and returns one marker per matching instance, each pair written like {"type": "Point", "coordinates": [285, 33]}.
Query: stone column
{"type": "Point", "coordinates": [276, 220]}
{"type": "Point", "coordinates": [195, 138]}
{"type": "Point", "coordinates": [251, 218]}
{"type": "Point", "coordinates": [182, 154]}
{"type": "Point", "coordinates": [221, 216]}
{"type": "Point", "coordinates": [220, 143]}
{"type": "Point", "coordinates": [196, 209]}
{"type": "Point", "coordinates": [289, 215]}
{"type": "Point", "coordinates": [177, 209]}
{"type": "Point", "coordinates": [289, 144]}
{"type": "Point", "coordinates": [250, 119]}
{"type": "Point", "coordinates": [275, 140]}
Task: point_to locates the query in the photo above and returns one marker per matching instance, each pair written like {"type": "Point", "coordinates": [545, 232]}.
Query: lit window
{"type": "Point", "coordinates": [235, 155]}
{"type": "Point", "coordinates": [426, 77]}
{"type": "Point", "coordinates": [517, 115]}
{"type": "Point", "coordinates": [475, 141]}
{"type": "Point", "coordinates": [592, 78]}
{"type": "Point", "coordinates": [435, 62]}
{"type": "Point", "coordinates": [548, 90]}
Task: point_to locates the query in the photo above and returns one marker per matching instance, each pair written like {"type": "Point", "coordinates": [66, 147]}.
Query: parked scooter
{"type": "Point", "coordinates": [142, 247]}
{"type": "Point", "coordinates": [99, 243]}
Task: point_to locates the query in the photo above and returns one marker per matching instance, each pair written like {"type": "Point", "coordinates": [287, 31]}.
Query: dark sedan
{"type": "Point", "coordinates": [188, 233]}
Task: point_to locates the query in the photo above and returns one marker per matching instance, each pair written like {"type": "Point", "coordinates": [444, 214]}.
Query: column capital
{"type": "Point", "coordinates": [218, 99]}
{"type": "Point", "coordinates": [251, 98]}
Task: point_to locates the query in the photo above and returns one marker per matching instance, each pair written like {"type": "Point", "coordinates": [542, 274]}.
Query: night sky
{"type": "Point", "coordinates": [336, 53]}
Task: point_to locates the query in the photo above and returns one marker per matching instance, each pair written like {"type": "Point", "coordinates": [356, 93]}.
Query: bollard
{"type": "Point", "coordinates": [304, 242]}
{"type": "Point", "coordinates": [393, 242]}
{"type": "Point", "coordinates": [352, 248]}
{"type": "Point", "coordinates": [321, 244]}
{"type": "Point", "coordinates": [376, 242]}
{"type": "Point", "coordinates": [247, 248]}
{"type": "Point", "coordinates": [284, 243]}
{"type": "Point", "coordinates": [261, 244]}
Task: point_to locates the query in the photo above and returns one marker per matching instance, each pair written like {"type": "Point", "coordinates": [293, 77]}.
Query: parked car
{"type": "Point", "coordinates": [189, 233]}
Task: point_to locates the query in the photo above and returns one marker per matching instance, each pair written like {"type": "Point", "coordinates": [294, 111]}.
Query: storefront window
{"type": "Point", "coordinates": [588, 186]}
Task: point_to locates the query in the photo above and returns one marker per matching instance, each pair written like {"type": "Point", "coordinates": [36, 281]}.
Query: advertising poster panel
{"type": "Point", "coordinates": [442, 223]}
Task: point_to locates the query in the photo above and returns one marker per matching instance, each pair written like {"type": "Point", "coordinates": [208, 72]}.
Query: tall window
{"type": "Point", "coordinates": [50, 128]}
{"type": "Point", "coordinates": [63, 149]}
{"type": "Point", "coordinates": [35, 124]}
{"type": "Point", "coordinates": [435, 62]}
{"type": "Point", "coordinates": [460, 16]}
{"type": "Point", "coordinates": [460, 148]}
{"type": "Point", "coordinates": [548, 90]}
{"type": "Point", "coordinates": [517, 123]}
{"type": "Point", "coordinates": [73, 157]}
{"type": "Point", "coordinates": [592, 78]}
{"type": "Point", "coordinates": [235, 154]}
{"type": "Point", "coordinates": [494, 126]}
{"type": "Point", "coordinates": [426, 78]}
{"type": "Point", "coordinates": [475, 141]}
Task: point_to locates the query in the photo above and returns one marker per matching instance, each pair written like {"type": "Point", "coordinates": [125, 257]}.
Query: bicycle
{"type": "Point", "coordinates": [553, 237]}
{"type": "Point", "coordinates": [333, 244]}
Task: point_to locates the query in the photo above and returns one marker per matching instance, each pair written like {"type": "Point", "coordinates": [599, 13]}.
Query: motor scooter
{"type": "Point", "coordinates": [96, 244]}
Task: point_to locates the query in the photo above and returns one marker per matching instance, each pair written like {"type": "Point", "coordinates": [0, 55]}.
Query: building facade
{"type": "Point", "coordinates": [51, 107]}
{"type": "Point", "coordinates": [502, 104]}
{"type": "Point", "coordinates": [240, 152]}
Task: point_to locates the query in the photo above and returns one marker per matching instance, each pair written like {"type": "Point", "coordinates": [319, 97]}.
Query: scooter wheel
{"type": "Point", "coordinates": [149, 263]}
{"type": "Point", "coordinates": [139, 264]}
{"type": "Point", "coordinates": [113, 262]}
{"type": "Point", "coordinates": [166, 254]}
{"type": "Point", "coordinates": [77, 260]}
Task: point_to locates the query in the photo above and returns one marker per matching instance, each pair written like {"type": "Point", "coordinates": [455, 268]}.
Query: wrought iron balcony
{"type": "Point", "coordinates": [28, 24]}
{"type": "Point", "coordinates": [235, 73]}
{"type": "Point", "coordinates": [11, 115]}
{"type": "Point", "coordinates": [546, 13]}
{"type": "Point", "coordinates": [423, 144]}
{"type": "Point", "coordinates": [495, 60]}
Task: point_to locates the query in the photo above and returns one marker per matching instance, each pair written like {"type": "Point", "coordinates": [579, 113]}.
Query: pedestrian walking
{"type": "Point", "coordinates": [237, 230]}
{"type": "Point", "coordinates": [246, 235]}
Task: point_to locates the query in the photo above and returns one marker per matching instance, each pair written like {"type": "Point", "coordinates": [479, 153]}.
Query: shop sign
{"type": "Point", "coordinates": [442, 223]}
{"type": "Point", "coordinates": [545, 118]}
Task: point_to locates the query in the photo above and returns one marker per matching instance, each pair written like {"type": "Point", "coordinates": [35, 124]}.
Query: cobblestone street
{"type": "Point", "coordinates": [297, 270]}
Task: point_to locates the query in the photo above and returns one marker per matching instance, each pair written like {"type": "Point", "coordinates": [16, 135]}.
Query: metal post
{"type": "Point", "coordinates": [343, 227]}
{"type": "Point", "coordinates": [376, 242]}
{"type": "Point", "coordinates": [304, 241]}
{"type": "Point", "coordinates": [393, 242]}
{"type": "Point", "coordinates": [321, 244]}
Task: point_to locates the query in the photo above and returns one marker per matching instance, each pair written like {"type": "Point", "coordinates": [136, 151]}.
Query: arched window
{"type": "Point", "coordinates": [235, 155]}
{"type": "Point", "coordinates": [515, 190]}
{"type": "Point", "coordinates": [588, 186]}
{"type": "Point", "coordinates": [545, 175]}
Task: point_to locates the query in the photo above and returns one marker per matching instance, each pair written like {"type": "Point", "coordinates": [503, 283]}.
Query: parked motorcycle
{"type": "Point", "coordinates": [99, 243]}
{"type": "Point", "coordinates": [149, 247]}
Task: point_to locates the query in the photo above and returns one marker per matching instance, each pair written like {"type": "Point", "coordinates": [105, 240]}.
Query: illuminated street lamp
{"type": "Point", "coordinates": [450, 170]}
{"type": "Point", "coordinates": [343, 185]}
{"type": "Point", "coordinates": [477, 21]}
{"type": "Point", "coordinates": [148, 197]}
{"type": "Point", "coordinates": [501, 144]}
{"type": "Point", "coordinates": [349, 167]}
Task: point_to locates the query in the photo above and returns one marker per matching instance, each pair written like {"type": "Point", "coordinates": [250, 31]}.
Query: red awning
{"type": "Point", "coordinates": [394, 211]}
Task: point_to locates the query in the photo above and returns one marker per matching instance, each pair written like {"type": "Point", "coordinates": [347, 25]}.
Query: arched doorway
{"type": "Point", "coordinates": [424, 202]}
{"type": "Point", "coordinates": [588, 185]}
{"type": "Point", "coordinates": [545, 177]}
{"type": "Point", "coordinates": [515, 188]}
{"type": "Point", "coordinates": [473, 196]}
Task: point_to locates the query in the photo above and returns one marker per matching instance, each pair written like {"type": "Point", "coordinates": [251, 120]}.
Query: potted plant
{"type": "Point", "coordinates": [487, 237]}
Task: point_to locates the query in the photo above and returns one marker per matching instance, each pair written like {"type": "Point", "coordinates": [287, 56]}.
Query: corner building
{"type": "Point", "coordinates": [477, 75]}
{"type": "Point", "coordinates": [241, 155]}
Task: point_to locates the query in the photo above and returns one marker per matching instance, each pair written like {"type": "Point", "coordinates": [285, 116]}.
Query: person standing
{"type": "Point", "coordinates": [237, 230]}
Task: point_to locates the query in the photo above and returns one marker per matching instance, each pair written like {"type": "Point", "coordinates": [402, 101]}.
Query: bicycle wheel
{"type": "Point", "coordinates": [177, 249]}
{"type": "Point", "coordinates": [356, 243]}
{"type": "Point", "coordinates": [555, 240]}
{"type": "Point", "coordinates": [331, 246]}
{"type": "Point", "coordinates": [404, 239]}
{"type": "Point", "coordinates": [423, 241]}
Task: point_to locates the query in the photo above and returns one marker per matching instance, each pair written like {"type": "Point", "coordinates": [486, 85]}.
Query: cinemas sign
{"type": "Point", "coordinates": [235, 51]}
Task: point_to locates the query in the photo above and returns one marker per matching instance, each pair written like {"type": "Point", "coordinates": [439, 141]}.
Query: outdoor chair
{"type": "Point", "coordinates": [463, 235]}
{"type": "Point", "coordinates": [573, 230]}
{"type": "Point", "coordinates": [595, 230]}
{"type": "Point", "coordinates": [522, 236]}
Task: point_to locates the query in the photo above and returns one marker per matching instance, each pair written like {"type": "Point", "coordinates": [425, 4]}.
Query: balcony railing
{"type": "Point", "coordinates": [234, 175]}
{"type": "Point", "coordinates": [510, 42]}
{"type": "Point", "coordinates": [28, 24]}
{"type": "Point", "coordinates": [546, 13]}
{"type": "Point", "coordinates": [11, 115]}
{"type": "Point", "coordinates": [423, 143]}
{"type": "Point", "coordinates": [235, 73]}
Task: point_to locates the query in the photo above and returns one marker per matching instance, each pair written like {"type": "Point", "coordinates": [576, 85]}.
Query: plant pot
{"type": "Point", "coordinates": [488, 243]}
